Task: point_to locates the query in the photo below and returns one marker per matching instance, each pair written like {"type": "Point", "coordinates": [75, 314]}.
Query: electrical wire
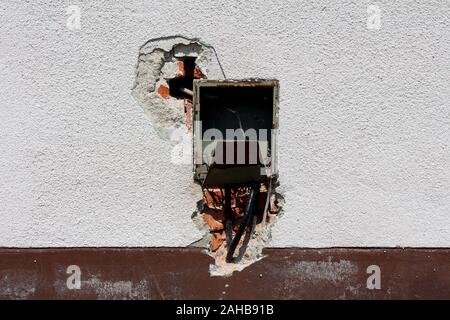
{"type": "Point", "coordinates": [249, 211]}
{"type": "Point", "coordinates": [266, 206]}
{"type": "Point", "coordinates": [228, 215]}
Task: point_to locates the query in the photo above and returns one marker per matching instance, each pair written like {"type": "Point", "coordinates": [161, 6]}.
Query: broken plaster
{"type": "Point", "coordinates": [254, 239]}
{"type": "Point", "coordinates": [160, 61]}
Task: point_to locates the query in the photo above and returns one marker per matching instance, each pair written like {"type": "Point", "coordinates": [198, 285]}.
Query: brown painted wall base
{"type": "Point", "coordinates": [182, 273]}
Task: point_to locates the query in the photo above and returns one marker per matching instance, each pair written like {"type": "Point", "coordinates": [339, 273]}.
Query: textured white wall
{"type": "Point", "coordinates": [365, 121]}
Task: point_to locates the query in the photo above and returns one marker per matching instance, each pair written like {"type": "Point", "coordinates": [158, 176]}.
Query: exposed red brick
{"type": "Point", "coordinates": [164, 91]}
{"type": "Point", "coordinates": [274, 205]}
{"type": "Point", "coordinates": [188, 112]}
{"type": "Point", "coordinates": [214, 218]}
{"type": "Point", "coordinates": [209, 200]}
{"type": "Point", "coordinates": [217, 239]}
{"type": "Point", "coordinates": [214, 215]}
{"type": "Point", "coordinates": [198, 74]}
{"type": "Point", "coordinates": [237, 211]}
{"type": "Point", "coordinates": [214, 198]}
{"type": "Point", "coordinates": [240, 200]}
{"type": "Point", "coordinates": [181, 69]}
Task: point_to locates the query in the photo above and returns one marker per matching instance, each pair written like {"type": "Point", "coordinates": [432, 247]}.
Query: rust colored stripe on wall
{"type": "Point", "coordinates": [182, 273]}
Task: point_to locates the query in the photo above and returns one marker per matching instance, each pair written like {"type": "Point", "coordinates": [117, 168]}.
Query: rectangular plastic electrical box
{"type": "Point", "coordinates": [235, 131]}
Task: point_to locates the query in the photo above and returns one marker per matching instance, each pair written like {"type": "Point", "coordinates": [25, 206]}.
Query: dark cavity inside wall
{"type": "Point", "coordinates": [176, 85]}
{"type": "Point", "coordinates": [237, 108]}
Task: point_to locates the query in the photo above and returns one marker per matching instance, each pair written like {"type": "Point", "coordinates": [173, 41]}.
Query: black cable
{"type": "Point", "coordinates": [249, 209]}
{"type": "Point", "coordinates": [218, 61]}
{"type": "Point", "coordinates": [228, 214]}
{"type": "Point", "coordinates": [248, 235]}
{"type": "Point", "coordinates": [213, 196]}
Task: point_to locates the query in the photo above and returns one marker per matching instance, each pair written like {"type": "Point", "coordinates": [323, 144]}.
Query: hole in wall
{"type": "Point", "coordinates": [237, 167]}
{"type": "Point", "coordinates": [189, 73]}
{"type": "Point", "coordinates": [166, 65]}
{"type": "Point", "coordinates": [163, 85]}
{"type": "Point", "coordinates": [255, 237]}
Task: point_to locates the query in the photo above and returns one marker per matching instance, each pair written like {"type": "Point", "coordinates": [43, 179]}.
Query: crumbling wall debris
{"type": "Point", "coordinates": [165, 67]}
{"type": "Point", "coordinates": [255, 238]}
{"type": "Point", "coordinates": [159, 62]}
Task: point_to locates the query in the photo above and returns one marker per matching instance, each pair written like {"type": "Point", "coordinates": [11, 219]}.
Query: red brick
{"type": "Point", "coordinates": [217, 239]}
{"type": "Point", "coordinates": [164, 91]}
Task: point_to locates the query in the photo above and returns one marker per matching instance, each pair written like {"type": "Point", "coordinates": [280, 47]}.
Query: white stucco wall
{"type": "Point", "coordinates": [365, 121]}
